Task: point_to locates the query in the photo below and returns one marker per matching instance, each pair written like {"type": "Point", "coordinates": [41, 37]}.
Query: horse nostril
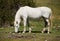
{"type": "Point", "coordinates": [16, 22]}
{"type": "Point", "coordinates": [16, 26]}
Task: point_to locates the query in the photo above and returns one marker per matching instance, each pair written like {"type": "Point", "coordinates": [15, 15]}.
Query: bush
{"type": "Point", "coordinates": [8, 9]}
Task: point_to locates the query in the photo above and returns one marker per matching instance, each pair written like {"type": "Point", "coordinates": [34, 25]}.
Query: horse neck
{"type": "Point", "coordinates": [17, 16]}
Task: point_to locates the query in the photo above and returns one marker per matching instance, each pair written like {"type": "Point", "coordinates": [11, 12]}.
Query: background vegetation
{"type": "Point", "coordinates": [8, 10]}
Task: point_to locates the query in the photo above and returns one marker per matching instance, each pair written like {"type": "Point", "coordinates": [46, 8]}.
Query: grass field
{"type": "Point", "coordinates": [7, 34]}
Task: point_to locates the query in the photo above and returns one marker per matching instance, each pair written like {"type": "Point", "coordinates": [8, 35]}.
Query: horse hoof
{"type": "Point", "coordinates": [42, 32]}
{"type": "Point", "coordinates": [23, 32]}
{"type": "Point", "coordinates": [48, 33]}
{"type": "Point", "coordinates": [13, 33]}
{"type": "Point", "coordinates": [19, 33]}
{"type": "Point", "coordinates": [29, 32]}
{"type": "Point", "coordinates": [10, 32]}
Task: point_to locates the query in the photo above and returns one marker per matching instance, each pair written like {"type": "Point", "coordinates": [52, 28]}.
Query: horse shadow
{"type": "Point", "coordinates": [33, 31]}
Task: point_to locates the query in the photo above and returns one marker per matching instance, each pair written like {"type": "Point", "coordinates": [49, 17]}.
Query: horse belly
{"type": "Point", "coordinates": [34, 14]}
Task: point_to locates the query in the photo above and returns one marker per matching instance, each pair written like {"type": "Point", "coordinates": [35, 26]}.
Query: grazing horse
{"type": "Point", "coordinates": [27, 12]}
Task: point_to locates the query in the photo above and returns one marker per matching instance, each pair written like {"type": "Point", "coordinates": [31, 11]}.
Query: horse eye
{"type": "Point", "coordinates": [16, 22]}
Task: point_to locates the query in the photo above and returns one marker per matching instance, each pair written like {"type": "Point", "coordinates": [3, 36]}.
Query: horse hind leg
{"type": "Point", "coordinates": [47, 24]}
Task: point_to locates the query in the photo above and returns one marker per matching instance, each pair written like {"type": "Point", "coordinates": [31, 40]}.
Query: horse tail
{"type": "Point", "coordinates": [51, 18]}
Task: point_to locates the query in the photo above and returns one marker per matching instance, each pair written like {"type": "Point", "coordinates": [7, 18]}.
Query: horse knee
{"type": "Point", "coordinates": [48, 23]}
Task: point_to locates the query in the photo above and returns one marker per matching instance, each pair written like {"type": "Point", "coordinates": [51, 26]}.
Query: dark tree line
{"type": "Point", "coordinates": [8, 10]}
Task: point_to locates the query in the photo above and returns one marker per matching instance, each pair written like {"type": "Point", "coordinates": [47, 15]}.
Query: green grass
{"type": "Point", "coordinates": [6, 34]}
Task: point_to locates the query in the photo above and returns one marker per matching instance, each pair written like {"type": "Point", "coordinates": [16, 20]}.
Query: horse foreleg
{"type": "Point", "coordinates": [24, 19]}
{"type": "Point", "coordinates": [30, 29]}
{"type": "Point", "coordinates": [29, 25]}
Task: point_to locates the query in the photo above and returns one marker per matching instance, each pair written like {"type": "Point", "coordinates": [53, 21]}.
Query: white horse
{"type": "Point", "coordinates": [26, 12]}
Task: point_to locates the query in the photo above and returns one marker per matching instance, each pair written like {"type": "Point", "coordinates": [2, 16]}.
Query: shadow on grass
{"type": "Point", "coordinates": [33, 31]}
